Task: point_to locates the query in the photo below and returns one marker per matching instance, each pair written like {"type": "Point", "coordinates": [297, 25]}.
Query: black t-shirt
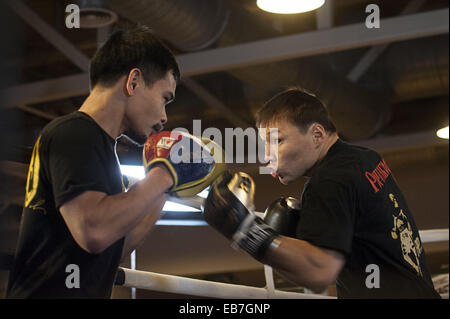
{"type": "Point", "coordinates": [72, 155]}
{"type": "Point", "coordinates": [352, 204]}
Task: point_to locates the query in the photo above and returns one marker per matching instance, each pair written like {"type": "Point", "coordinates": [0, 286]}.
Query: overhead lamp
{"type": "Point", "coordinates": [137, 172]}
{"type": "Point", "coordinates": [289, 6]}
{"type": "Point", "coordinates": [443, 133]}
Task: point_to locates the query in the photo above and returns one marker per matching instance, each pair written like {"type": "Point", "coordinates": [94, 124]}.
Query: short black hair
{"type": "Point", "coordinates": [131, 47]}
{"type": "Point", "coordinates": [297, 106]}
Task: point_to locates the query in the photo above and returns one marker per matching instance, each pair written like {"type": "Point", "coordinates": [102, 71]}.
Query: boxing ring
{"type": "Point", "coordinates": [138, 279]}
{"type": "Point", "coordinates": [202, 288]}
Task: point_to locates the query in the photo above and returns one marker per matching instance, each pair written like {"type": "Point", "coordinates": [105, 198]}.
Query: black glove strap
{"type": "Point", "coordinates": [256, 239]}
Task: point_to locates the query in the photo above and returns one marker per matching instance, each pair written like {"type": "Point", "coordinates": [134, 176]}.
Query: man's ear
{"type": "Point", "coordinates": [132, 81]}
{"type": "Point", "coordinates": [318, 132]}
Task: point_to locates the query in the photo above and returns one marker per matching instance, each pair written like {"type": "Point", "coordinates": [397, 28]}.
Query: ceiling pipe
{"type": "Point", "coordinates": [416, 69]}
{"type": "Point", "coordinates": [189, 25]}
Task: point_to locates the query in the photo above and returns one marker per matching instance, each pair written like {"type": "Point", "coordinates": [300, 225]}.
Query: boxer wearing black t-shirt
{"type": "Point", "coordinates": [78, 223]}
{"type": "Point", "coordinates": [352, 204]}
{"type": "Point", "coordinates": [72, 155]}
{"type": "Point", "coordinates": [355, 229]}
{"type": "Point", "coordinates": [353, 225]}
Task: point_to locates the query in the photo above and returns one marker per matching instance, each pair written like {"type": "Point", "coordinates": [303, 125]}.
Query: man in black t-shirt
{"type": "Point", "coordinates": [77, 222]}
{"type": "Point", "coordinates": [354, 227]}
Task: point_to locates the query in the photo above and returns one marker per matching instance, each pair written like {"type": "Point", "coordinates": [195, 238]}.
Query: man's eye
{"type": "Point", "coordinates": [280, 140]}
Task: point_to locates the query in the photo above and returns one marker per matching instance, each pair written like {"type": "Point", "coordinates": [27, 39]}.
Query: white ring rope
{"type": "Point", "coordinates": [433, 235]}
{"type": "Point", "coordinates": [195, 287]}
{"type": "Point", "coordinates": [270, 285]}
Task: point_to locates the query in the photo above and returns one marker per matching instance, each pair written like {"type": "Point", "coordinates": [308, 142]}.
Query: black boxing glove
{"type": "Point", "coordinates": [229, 209]}
{"type": "Point", "coordinates": [283, 215]}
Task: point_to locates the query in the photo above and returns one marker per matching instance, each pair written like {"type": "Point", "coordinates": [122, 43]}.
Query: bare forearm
{"type": "Point", "coordinates": [305, 264]}
{"type": "Point", "coordinates": [121, 213]}
{"type": "Point", "coordinates": [136, 236]}
{"type": "Point", "coordinates": [97, 220]}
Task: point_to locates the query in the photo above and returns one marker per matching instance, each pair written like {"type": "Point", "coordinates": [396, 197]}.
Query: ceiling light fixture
{"type": "Point", "coordinates": [289, 6]}
{"type": "Point", "coordinates": [137, 172]}
{"type": "Point", "coordinates": [443, 133]}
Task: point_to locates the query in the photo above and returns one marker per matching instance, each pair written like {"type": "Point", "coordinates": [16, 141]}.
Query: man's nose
{"type": "Point", "coordinates": [270, 154]}
{"type": "Point", "coordinates": [163, 119]}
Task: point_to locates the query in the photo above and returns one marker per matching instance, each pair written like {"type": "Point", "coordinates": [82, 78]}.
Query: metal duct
{"type": "Point", "coordinates": [416, 69]}
{"type": "Point", "coordinates": [95, 14]}
{"type": "Point", "coordinates": [188, 25]}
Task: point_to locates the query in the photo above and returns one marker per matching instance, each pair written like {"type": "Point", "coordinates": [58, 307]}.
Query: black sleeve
{"type": "Point", "coordinates": [328, 214]}
{"type": "Point", "coordinates": [76, 160]}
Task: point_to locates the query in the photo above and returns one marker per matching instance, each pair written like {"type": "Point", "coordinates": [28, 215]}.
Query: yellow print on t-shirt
{"type": "Point", "coordinates": [33, 175]}
{"type": "Point", "coordinates": [411, 248]}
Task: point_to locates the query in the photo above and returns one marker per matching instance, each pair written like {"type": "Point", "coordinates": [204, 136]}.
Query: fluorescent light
{"type": "Point", "coordinates": [289, 6]}
{"type": "Point", "coordinates": [162, 222]}
{"type": "Point", "coordinates": [138, 173]}
{"type": "Point", "coordinates": [133, 171]}
{"type": "Point", "coordinates": [175, 207]}
{"type": "Point", "coordinates": [443, 133]}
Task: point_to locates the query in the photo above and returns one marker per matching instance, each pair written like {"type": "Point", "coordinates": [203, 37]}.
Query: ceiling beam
{"type": "Point", "coordinates": [82, 61]}
{"type": "Point", "coordinates": [373, 53]}
{"type": "Point", "coordinates": [315, 42]}
{"type": "Point", "coordinates": [36, 112]}
{"type": "Point", "coordinates": [258, 52]}
{"type": "Point", "coordinates": [46, 90]}
{"type": "Point", "coordinates": [50, 34]}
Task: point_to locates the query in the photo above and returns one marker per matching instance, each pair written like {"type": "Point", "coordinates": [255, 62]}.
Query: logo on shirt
{"type": "Point", "coordinates": [378, 176]}
{"type": "Point", "coordinates": [411, 247]}
{"type": "Point", "coordinates": [33, 175]}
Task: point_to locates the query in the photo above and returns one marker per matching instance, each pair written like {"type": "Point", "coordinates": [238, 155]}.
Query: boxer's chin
{"type": "Point", "coordinates": [135, 137]}
{"type": "Point", "coordinates": [285, 180]}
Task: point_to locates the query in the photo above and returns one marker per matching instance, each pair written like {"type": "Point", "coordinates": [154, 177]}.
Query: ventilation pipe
{"type": "Point", "coordinates": [188, 25]}
{"type": "Point", "coordinates": [416, 69]}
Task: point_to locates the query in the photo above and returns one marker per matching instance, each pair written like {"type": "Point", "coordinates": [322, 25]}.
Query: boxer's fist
{"type": "Point", "coordinates": [283, 215]}
{"type": "Point", "coordinates": [194, 163]}
{"type": "Point", "coordinates": [229, 209]}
